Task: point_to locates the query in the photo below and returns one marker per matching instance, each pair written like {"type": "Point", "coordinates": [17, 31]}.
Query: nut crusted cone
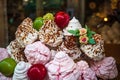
{"type": "Point", "coordinates": [50, 34]}
{"type": "Point", "coordinates": [16, 52]}
{"type": "Point", "coordinates": [95, 51]}
{"type": "Point", "coordinates": [70, 46]}
{"type": "Point", "coordinates": [25, 33]}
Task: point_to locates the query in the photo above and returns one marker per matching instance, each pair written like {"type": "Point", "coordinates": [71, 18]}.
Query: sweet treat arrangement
{"type": "Point", "coordinates": [55, 47]}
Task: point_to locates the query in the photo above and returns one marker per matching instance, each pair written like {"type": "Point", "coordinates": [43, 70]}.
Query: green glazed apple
{"type": "Point", "coordinates": [38, 22]}
{"type": "Point", "coordinates": [7, 66]}
{"type": "Point", "coordinates": [48, 16]}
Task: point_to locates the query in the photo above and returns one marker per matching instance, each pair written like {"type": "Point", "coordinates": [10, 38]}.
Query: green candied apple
{"type": "Point", "coordinates": [38, 22]}
{"type": "Point", "coordinates": [7, 66]}
{"type": "Point", "coordinates": [48, 16]}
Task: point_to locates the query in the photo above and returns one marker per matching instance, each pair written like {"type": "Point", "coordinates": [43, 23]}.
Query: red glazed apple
{"type": "Point", "coordinates": [37, 72]}
{"type": "Point", "coordinates": [62, 19]}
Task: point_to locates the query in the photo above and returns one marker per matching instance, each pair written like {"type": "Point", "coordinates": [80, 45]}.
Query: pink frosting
{"type": "Point", "coordinates": [3, 53]}
{"type": "Point", "coordinates": [2, 77]}
{"type": "Point", "coordinates": [106, 68]}
{"type": "Point", "coordinates": [62, 67]}
{"type": "Point", "coordinates": [86, 73]}
{"type": "Point", "coordinates": [37, 53]}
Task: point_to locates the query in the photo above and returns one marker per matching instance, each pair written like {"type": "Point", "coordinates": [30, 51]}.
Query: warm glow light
{"type": "Point", "coordinates": [25, 0]}
{"type": "Point", "coordinates": [105, 19]}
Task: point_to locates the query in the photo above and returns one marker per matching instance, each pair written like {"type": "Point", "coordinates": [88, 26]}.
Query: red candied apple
{"type": "Point", "coordinates": [62, 19]}
{"type": "Point", "coordinates": [37, 72]}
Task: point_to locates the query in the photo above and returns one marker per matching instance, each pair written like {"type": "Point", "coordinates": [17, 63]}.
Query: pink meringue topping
{"type": "Point", "coordinates": [62, 68]}
{"type": "Point", "coordinates": [3, 53]}
{"type": "Point", "coordinates": [2, 77]}
{"type": "Point", "coordinates": [37, 53]}
{"type": "Point", "coordinates": [106, 68]}
{"type": "Point", "coordinates": [86, 73]}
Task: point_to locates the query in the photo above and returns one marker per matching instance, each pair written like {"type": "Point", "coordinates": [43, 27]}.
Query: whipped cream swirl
{"type": "Point", "coordinates": [74, 24]}
{"type": "Point", "coordinates": [20, 72]}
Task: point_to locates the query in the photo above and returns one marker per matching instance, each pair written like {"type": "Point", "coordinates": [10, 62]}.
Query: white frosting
{"type": "Point", "coordinates": [74, 24]}
{"type": "Point", "coordinates": [20, 72]}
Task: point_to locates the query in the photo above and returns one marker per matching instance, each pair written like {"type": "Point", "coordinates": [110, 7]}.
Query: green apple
{"type": "Point", "coordinates": [38, 22]}
{"type": "Point", "coordinates": [48, 16]}
{"type": "Point", "coordinates": [7, 66]}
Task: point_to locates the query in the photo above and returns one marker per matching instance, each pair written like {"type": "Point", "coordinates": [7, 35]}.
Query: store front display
{"type": "Point", "coordinates": [102, 17]}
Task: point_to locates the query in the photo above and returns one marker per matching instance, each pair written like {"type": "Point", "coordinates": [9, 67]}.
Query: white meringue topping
{"type": "Point", "coordinates": [20, 72]}
{"type": "Point", "coordinates": [74, 24]}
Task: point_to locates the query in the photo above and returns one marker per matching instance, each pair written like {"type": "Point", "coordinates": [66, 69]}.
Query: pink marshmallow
{"type": "Point", "coordinates": [106, 68]}
{"type": "Point", "coordinates": [86, 73]}
{"type": "Point", "coordinates": [2, 77]}
{"type": "Point", "coordinates": [3, 53]}
{"type": "Point", "coordinates": [37, 53]}
{"type": "Point", "coordinates": [62, 67]}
